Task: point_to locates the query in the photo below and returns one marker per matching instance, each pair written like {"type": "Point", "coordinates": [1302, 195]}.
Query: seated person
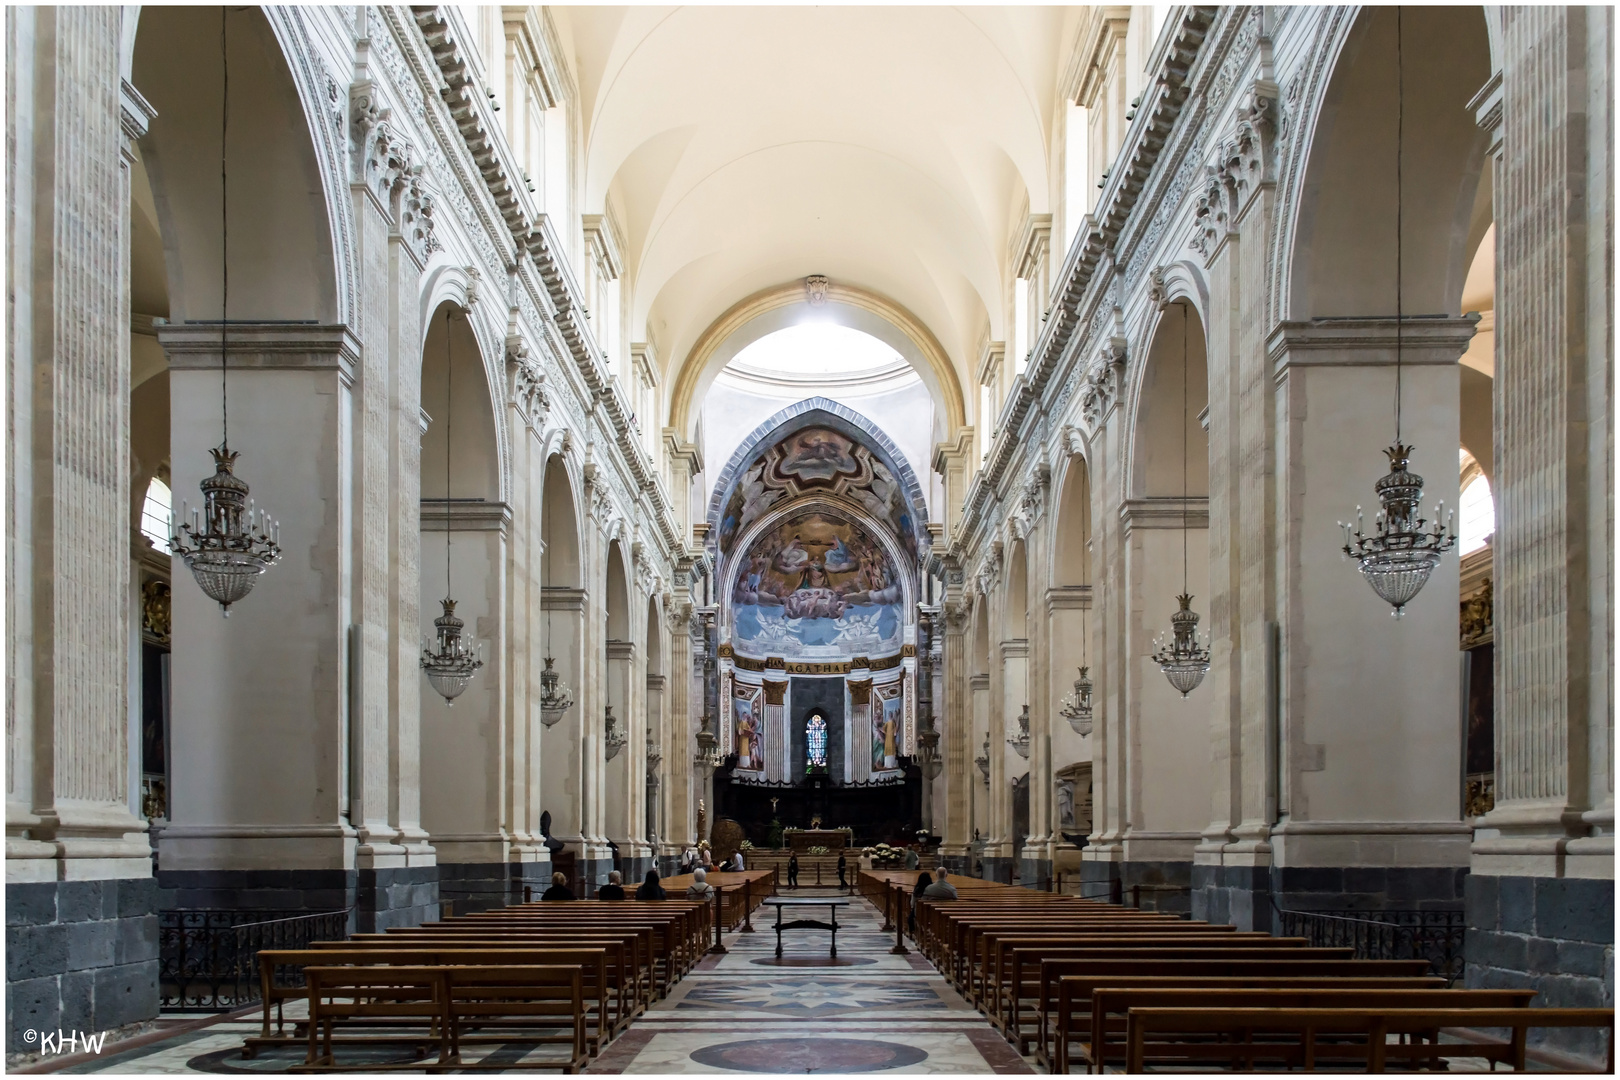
{"type": "Point", "coordinates": [650, 889]}
{"type": "Point", "coordinates": [700, 889]}
{"type": "Point", "coordinates": [559, 889]}
{"type": "Point", "coordinates": [940, 889]}
{"type": "Point", "coordinates": [614, 889]}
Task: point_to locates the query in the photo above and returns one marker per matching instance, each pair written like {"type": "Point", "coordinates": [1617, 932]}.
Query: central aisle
{"type": "Point", "coordinates": [866, 1011]}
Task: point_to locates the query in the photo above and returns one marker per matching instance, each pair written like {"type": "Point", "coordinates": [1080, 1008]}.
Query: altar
{"type": "Point", "coordinates": [834, 840]}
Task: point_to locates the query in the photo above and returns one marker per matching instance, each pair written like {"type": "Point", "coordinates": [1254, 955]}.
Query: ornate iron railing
{"type": "Point", "coordinates": [1435, 936]}
{"type": "Point", "coordinates": [206, 957]}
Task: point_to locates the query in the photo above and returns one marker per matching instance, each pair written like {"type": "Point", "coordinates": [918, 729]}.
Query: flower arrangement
{"type": "Point", "coordinates": [816, 849]}
{"type": "Point", "coordinates": [885, 855]}
{"type": "Point", "coordinates": [746, 845]}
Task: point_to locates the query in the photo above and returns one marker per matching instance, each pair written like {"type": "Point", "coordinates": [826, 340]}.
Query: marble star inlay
{"type": "Point", "coordinates": [811, 996]}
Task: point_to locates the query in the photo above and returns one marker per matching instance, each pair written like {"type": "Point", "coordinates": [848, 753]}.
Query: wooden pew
{"type": "Point", "coordinates": [1293, 1037]}
{"type": "Point", "coordinates": [1070, 982]}
{"type": "Point", "coordinates": [598, 984]}
{"type": "Point", "coordinates": [504, 1004]}
{"type": "Point", "coordinates": [639, 940]}
{"type": "Point", "coordinates": [1110, 1007]}
{"type": "Point", "coordinates": [414, 996]}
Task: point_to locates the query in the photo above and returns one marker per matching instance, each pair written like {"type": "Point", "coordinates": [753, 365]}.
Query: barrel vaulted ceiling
{"type": "Point", "coordinates": [893, 149]}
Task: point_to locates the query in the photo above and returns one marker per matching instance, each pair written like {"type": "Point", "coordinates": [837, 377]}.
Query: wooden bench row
{"type": "Point", "coordinates": [1098, 985]}
{"type": "Point", "coordinates": [615, 958]}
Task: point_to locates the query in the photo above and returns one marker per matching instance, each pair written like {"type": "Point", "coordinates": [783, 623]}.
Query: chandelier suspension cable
{"type": "Point", "coordinates": [1182, 658]}
{"type": "Point", "coordinates": [1184, 316]}
{"type": "Point", "coordinates": [224, 228]}
{"type": "Point", "coordinates": [449, 426]}
{"type": "Point", "coordinates": [1400, 206]}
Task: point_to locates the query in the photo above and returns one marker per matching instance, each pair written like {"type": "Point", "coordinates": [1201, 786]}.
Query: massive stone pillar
{"type": "Point", "coordinates": [1166, 774]}
{"type": "Point", "coordinates": [1540, 901]}
{"type": "Point", "coordinates": [80, 902]}
{"type": "Point", "coordinates": [1357, 826]}
{"type": "Point", "coordinates": [261, 708]}
{"type": "Point", "coordinates": [956, 731]}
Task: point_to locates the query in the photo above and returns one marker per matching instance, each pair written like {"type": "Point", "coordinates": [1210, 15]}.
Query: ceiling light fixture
{"type": "Point", "coordinates": [1183, 658]}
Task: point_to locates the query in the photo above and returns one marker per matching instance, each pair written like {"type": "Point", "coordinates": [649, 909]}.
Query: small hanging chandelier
{"type": "Point", "coordinates": [1184, 658]}
{"type": "Point", "coordinates": [614, 738]}
{"type": "Point", "coordinates": [653, 757]}
{"type": "Point", "coordinates": [231, 542]}
{"type": "Point", "coordinates": [1020, 740]}
{"type": "Point", "coordinates": [1403, 550]}
{"type": "Point", "coordinates": [1077, 706]}
{"type": "Point", "coordinates": [555, 698]}
{"type": "Point", "coordinates": [452, 664]}
{"type": "Point", "coordinates": [983, 761]}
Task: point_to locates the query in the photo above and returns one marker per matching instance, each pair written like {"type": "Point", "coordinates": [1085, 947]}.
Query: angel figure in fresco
{"type": "Point", "coordinates": [792, 559]}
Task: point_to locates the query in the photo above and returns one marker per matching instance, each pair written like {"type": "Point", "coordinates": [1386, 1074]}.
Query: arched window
{"type": "Point", "coordinates": [815, 741]}
{"type": "Point", "coordinates": [1476, 515]}
{"type": "Point", "coordinates": [155, 514]}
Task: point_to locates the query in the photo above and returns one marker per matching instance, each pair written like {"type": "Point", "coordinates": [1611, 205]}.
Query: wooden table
{"type": "Point", "coordinates": [831, 903]}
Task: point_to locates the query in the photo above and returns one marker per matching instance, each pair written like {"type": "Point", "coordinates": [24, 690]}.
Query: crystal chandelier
{"type": "Point", "coordinates": [614, 739]}
{"type": "Point", "coordinates": [554, 696]}
{"type": "Point", "coordinates": [453, 663]}
{"type": "Point", "coordinates": [1403, 549]}
{"type": "Point", "coordinates": [653, 756]}
{"type": "Point", "coordinates": [230, 542]}
{"type": "Point", "coordinates": [1183, 658]}
{"type": "Point", "coordinates": [708, 756]}
{"type": "Point", "coordinates": [983, 761]}
{"type": "Point", "coordinates": [1020, 741]}
{"type": "Point", "coordinates": [1077, 706]}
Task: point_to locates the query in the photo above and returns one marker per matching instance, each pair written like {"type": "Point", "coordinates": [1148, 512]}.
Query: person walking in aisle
{"type": "Point", "coordinates": [793, 870]}
{"type": "Point", "coordinates": [843, 866]}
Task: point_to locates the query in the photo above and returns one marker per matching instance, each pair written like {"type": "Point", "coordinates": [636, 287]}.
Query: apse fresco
{"type": "Point", "coordinates": [816, 586]}
{"type": "Point", "coordinates": [814, 460]}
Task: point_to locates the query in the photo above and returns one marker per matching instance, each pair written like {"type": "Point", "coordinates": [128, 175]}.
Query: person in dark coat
{"type": "Point", "coordinates": [843, 865]}
{"type": "Point", "coordinates": [614, 889]}
{"type": "Point", "coordinates": [793, 871]}
{"type": "Point", "coordinates": [650, 889]}
{"type": "Point", "coordinates": [924, 880]}
{"type": "Point", "coordinates": [559, 889]}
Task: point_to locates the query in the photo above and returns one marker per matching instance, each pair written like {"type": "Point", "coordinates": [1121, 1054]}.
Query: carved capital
{"type": "Point", "coordinates": [527, 388]}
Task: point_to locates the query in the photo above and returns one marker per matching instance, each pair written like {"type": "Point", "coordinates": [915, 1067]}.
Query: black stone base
{"type": "Point", "coordinates": [1035, 874]}
{"type": "Point", "coordinates": [296, 892]}
{"type": "Point", "coordinates": [1553, 935]}
{"type": "Point", "coordinates": [995, 868]}
{"type": "Point", "coordinates": [633, 870]}
{"type": "Point", "coordinates": [957, 865]}
{"type": "Point", "coordinates": [376, 898]}
{"type": "Point", "coordinates": [592, 874]}
{"type": "Point", "coordinates": [669, 865]}
{"type": "Point", "coordinates": [1157, 886]}
{"type": "Point", "coordinates": [81, 957]}
{"type": "Point", "coordinates": [1239, 895]}
{"type": "Point", "coordinates": [396, 896]}
{"type": "Point", "coordinates": [482, 886]}
{"type": "Point", "coordinates": [1248, 897]}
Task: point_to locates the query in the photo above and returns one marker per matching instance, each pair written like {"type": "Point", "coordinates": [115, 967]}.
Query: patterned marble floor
{"type": "Point", "coordinates": [744, 1011]}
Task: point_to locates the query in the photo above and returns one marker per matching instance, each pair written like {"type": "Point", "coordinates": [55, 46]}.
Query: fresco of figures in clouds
{"type": "Point", "coordinates": [817, 586]}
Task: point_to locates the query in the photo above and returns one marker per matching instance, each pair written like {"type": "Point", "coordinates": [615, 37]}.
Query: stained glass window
{"type": "Point", "coordinates": [815, 740]}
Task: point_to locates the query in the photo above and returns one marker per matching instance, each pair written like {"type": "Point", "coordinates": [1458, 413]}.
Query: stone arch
{"type": "Point", "coordinates": [285, 242]}
{"type": "Point", "coordinates": [1071, 546]}
{"type": "Point", "coordinates": [783, 305]}
{"type": "Point", "coordinates": [1337, 236]}
{"type": "Point", "coordinates": [460, 377]}
{"type": "Point", "coordinates": [776, 427]}
{"type": "Point", "coordinates": [1157, 431]}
